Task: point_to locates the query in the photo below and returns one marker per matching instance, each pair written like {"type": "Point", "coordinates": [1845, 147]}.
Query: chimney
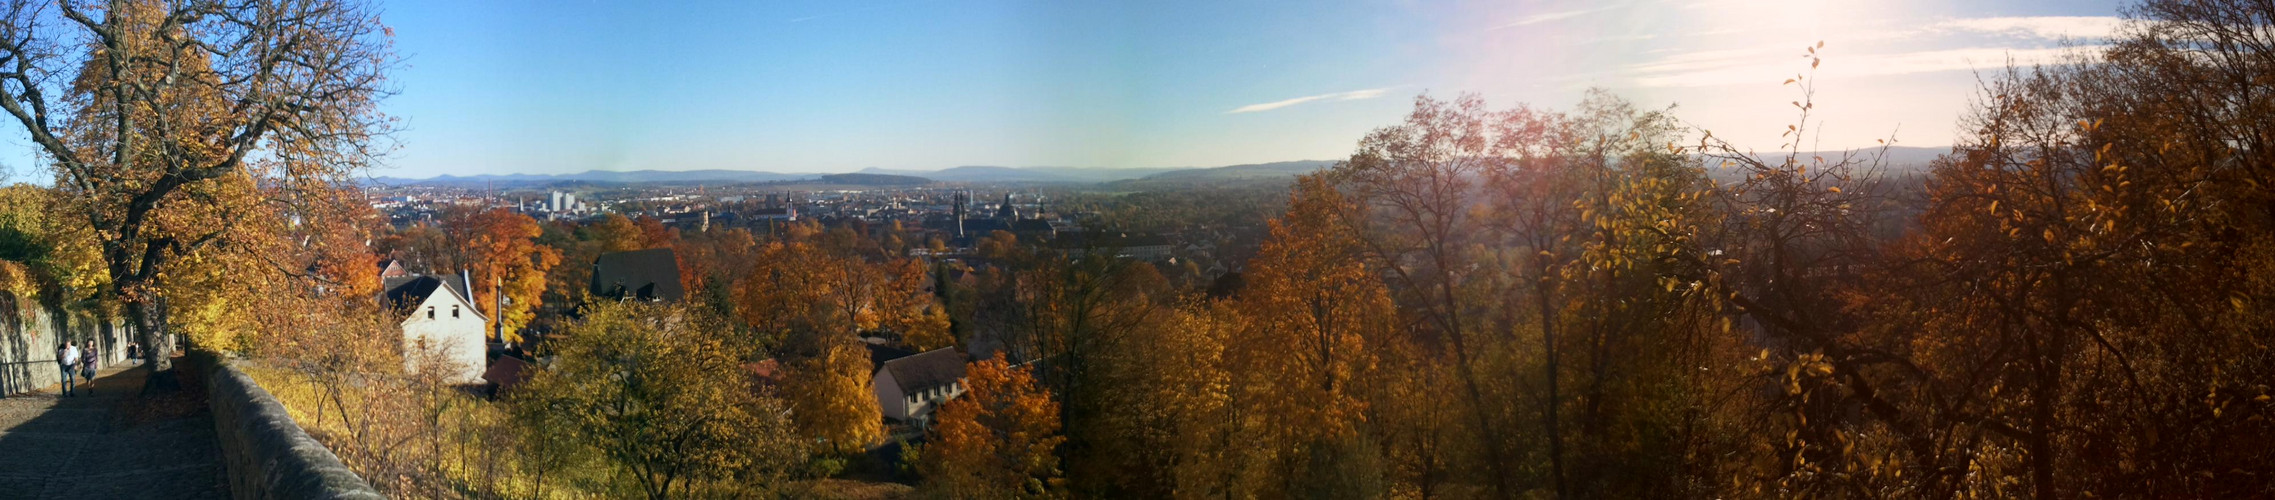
{"type": "Point", "coordinates": [497, 294]}
{"type": "Point", "coordinates": [466, 285]}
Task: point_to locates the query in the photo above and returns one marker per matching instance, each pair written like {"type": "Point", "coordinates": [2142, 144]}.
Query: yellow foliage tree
{"type": "Point", "coordinates": [652, 389]}
{"type": "Point", "coordinates": [832, 401]}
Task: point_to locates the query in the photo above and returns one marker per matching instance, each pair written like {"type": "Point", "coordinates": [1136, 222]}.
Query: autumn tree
{"type": "Point", "coordinates": [616, 233]}
{"type": "Point", "coordinates": [803, 293]}
{"type": "Point", "coordinates": [1316, 310]}
{"type": "Point", "coordinates": [998, 441]}
{"type": "Point", "coordinates": [2086, 279]}
{"type": "Point", "coordinates": [1174, 429]}
{"type": "Point", "coordinates": [1413, 183]}
{"type": "Point", "coordinates": [142, 109]}
{"type": "Point", "coordinates": [711, 262]}
{"type": "Point", "coordinates": [809, 304]}
{"type": "Point", "coordinates": [654, 390]}
{"type": "Point", "coordinates": [498, 248]}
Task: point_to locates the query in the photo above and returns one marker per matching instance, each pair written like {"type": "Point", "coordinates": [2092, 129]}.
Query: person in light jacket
{"type": "Point", "coordinates": [67, 357]}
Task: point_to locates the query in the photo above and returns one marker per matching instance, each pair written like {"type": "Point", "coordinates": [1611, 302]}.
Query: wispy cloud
{"type": "Point", "coordinates": [1552, 16]}
{"type": "Point", "coordinates": [1338, 96]}
{"type": "Point", "coordinates": [1536, 19]}
{"type": "Point", "coordinates": [1936, 46]}
{"type": "Point", "coordinates": [1711, 68]}
{"type": "Point", "coordinates": [2047, 27]}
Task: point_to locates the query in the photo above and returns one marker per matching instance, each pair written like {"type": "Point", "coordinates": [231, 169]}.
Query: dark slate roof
{"type": "Point", "coordinates": [651, 274]}
{"type": "Point", "coordinates": [878, 355]}
{"type": "Point", "coordinates": [934, 368]}
{"type": "Point", "coordinates": [1031, 226]}
{"type": "Point", "coordinates": [980, 227]}
{"type": "Point", "coordinates": [408, 291]}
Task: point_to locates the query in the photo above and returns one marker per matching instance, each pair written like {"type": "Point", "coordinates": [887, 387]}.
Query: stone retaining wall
{"type": "Point", "coordinates": [28, 336]}
{"type": "Point", "coordinates": [268, 455]}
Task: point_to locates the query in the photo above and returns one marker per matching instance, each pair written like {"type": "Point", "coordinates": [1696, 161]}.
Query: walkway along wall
{"type": "Point", "coordinates": [268, 455]}
{"type": "Point", "coordinates": [29, 332]}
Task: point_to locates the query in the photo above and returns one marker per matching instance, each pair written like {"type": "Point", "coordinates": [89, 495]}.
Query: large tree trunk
{"type": "Point", "coordinates": [1548, 347]}
{"type": "Point", "coordinates": [157, 350]}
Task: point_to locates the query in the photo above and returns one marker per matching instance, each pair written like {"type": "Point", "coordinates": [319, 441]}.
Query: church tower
{"type": "Point", "coordinates": [961, 197]}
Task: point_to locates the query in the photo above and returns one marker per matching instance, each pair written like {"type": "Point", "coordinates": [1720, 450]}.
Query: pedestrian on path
{"type": "Point", "coordinates": [64, 357]}
{"type": "Point", "coordinates": [87, 365]}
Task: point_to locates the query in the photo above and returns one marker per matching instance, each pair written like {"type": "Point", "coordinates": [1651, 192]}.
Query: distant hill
{"type": "Point", "coordinates": [1272, 170]}
{"type": "Point", "coordinates": [979, 174]}
{"type": "Point", "coordinates": [874, 180]}
{"type": "Point", "coordinates": [1899, 160]}
{"type": "Point", "coordinates": [984, 174]}
{"type": "Point", "coordinates": [603, 176]}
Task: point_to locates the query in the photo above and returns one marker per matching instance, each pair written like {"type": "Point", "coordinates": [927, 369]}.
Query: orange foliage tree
{"type": "Point", "coordinates": [998, 441]}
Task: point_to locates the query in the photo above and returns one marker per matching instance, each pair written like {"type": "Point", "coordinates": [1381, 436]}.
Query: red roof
{"type": "Point", "coordinates": [506, 372]}
{"type": "Point", "coordinates": [764, 373]}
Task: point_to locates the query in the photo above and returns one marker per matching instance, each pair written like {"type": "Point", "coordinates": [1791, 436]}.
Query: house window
{"type": "Point", "coordinates": [454, 311]}
{"type": "Point", "coordinates": [430, 312]}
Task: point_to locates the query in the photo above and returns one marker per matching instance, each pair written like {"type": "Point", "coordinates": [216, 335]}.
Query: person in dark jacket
{"type": "Point", "coordinates": [87, 359]}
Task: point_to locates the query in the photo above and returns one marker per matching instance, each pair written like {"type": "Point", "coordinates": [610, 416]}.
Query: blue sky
{"type": "Point", "coordinates": [510, 86]}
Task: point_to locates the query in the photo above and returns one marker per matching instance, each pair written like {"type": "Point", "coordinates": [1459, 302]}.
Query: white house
{"type": "Point", "coordinates": [442, 330]}
{"type": "Point", "coordinates": [910, 387]}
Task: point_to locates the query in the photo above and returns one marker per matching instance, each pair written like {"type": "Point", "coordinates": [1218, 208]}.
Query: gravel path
{"type": "Point", "coordinates": [81, 447]}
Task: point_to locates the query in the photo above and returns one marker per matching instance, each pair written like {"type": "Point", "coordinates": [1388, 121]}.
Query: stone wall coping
{"type": "Point", "coordinates": [267, 454]}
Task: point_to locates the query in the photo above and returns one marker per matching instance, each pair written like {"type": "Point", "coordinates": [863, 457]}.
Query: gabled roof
{"type": "Point", "coordinates": [409, 291]}
{"type": "Point", "coordinates": [392, 268]}
{"type": "Point", "coordinates": [651, 274]}
{"type": "Point", "coordinates": [934, 368]}
{"type": "Point", "coordinates": [879, 354]}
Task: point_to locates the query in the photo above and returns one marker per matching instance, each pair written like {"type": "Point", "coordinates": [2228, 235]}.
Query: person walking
{"type": "Point", "coordinates": [66, 357]}
{"type": "Point", "coordinates": [87, 360]}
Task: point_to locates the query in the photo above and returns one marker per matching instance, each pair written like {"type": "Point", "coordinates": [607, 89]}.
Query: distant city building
{"type": "Point", "coordinates": [1006, 211]}
{"type": "Point", "coordinates": [775, 214]}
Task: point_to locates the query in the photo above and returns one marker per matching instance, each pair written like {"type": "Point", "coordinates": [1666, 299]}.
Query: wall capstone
{"type": "Point", "coordinates": [268, 455]}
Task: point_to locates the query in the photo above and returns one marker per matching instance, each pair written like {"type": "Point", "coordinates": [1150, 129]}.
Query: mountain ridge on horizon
{"type": "Point", "coordinates": [1901, 156]}
{"type": "Point", "coordinates": [964, 173]}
